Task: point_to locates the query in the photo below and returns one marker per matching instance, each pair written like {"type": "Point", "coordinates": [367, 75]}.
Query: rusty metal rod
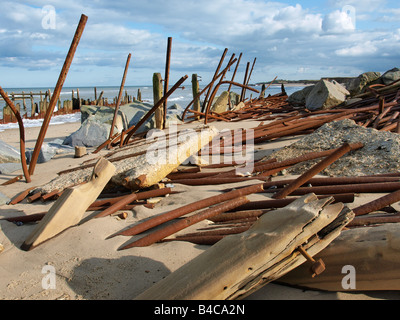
{"type": "Point", "coordinates": [166, 78]}
{"type": "Point", "coordinates": [365, 221]}
{"type": "Point", "coordinates": [155, 107]}
{"type": "Point", "coordinates": [121, 89]}
{"type": "Point", "coordinates": [21, 135]}
{"type": "Point", "coordinates": [280, 203]}
{"type": "Point", "coordinates": [200, 240]}
{"type": "Point", "coordinates": [215, 180]}
{"type": "Point", "coordinates": [350, 188]}
{"type": "Point", "coordinates": [215, 77]}
{"type": "Point", "coordinates": [191, 207]}
{"type": "Point", "coordinates": [21, 196]}
{"type": "Point", "coordinates": [207, 87]}
{"type": "Point", "coordinates": [186, 222]}
{"type": "Point", "coordinates": [333, 181]}
{"type": "Point", "coordinates": [228, 216]}
{"type": "Point", "coordinates": [378, 203]}
{"type": "Point", "coordinates": [56, 93]}
{"type": "Point", "coordinates": [132, 197]}
{"type": "Point", "coordinates": [345, 148]}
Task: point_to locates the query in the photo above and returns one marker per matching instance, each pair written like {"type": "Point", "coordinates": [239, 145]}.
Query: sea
{"type": "Point", "coordinates": [182, 96]}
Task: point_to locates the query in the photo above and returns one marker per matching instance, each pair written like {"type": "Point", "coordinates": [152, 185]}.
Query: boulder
{"type": "Point", "coordinates": [390, 76]}
{"type": "Point", "coordinates": [49, 150]}
{"type": "Point", "coordinates": [8, 154]}
{"type": "Point", "coordinates": [358, 85]}
{"type": "Point", "coordinates": [326, 95]}
{"type": "Point", "coordinates": [221, 105]}
{"type": "Point", "coordinates": [299, 97]}
{"type": "Point", "coordinates": [96, 122]}
{"type": "Point", "coordinates": [92, 133]}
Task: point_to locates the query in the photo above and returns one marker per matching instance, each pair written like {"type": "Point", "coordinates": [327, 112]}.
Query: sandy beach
{"type": "Point", "coordinates": [87, 265]}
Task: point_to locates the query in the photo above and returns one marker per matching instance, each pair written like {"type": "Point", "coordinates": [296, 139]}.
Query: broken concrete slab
{"type": "Point", "coordinates": [152, 157]}
{"type": "Point", "coordinates": [326, 95]}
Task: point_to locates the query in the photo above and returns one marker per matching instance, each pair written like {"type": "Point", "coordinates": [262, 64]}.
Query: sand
{"type": "Point", "coordinates": [88, 266]}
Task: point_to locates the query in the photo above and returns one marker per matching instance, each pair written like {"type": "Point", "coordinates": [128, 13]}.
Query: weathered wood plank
{"type": "Point", "coordinates": [69, 209]}
{"type": "Point", "coordinates": [239, 264]}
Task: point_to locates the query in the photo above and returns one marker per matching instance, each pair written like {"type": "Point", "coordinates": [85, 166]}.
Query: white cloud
{"type": "Point", "coordinates": [338, 22]}
{"type": "Point", "coordinates": [359, 50]}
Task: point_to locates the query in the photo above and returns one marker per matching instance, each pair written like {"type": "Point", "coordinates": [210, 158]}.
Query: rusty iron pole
{"type": "Point", "coordinates": [155, 107]}
{"type": "Point", "coordinates": [121, 89]}
{"type": "Point", "coordinates": [176, 213]}
{"type": "Point", "coordinates": [21, 134]}
{"type": "Point", "coordinates": [166, 79]}
{"type": "Point", "coordinates": [234, 72]}
{"type": "Point", "coordinates": [378, 203]}
{"type": "Point", "coordinates": [345, 148]}
{"type": "Point", "coordinates": [186, 222]}
{"type": "Point", "coordinates": [57, 91]}
{"type": "Point", "coordinates": [132, 197]}
{"type": "Point", "coordinates": [215, 77]}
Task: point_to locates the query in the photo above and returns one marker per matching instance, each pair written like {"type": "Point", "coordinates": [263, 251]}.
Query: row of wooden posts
{"type": "Point", "coordinates": [38, 109]}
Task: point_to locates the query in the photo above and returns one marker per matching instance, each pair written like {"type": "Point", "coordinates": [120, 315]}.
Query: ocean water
{"type": "Point", "coordinates": [182, 96]}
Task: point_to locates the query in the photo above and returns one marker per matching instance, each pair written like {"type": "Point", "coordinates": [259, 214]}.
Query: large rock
{"type": "Point", "coordinates": [326, 95]}
{"type": "Point", "coordinates": [390, 76]}
{"type": "Point", "coordinates": [299, 97]}
{"type": "Point", "coordinates": [49, 150]}
{"type": "Point", "coordinates": [8, 154]}
{"type": "Point", "coordinates": [221, 105]}
{"type": "Point", "coordinates": [92, 133]}
{"type": "Point", "coordinates": [358, 85]}
{"type": "Point", "coordinates": [97, 121]}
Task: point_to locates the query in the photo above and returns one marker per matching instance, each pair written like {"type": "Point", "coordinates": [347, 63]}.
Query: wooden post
{"type": "Point", "coordinates": [195, 90]}
{"type": "Point", "coordinates": [23, 100]}
{"type": "Point", "coordinates": [139, 95]}
{"type": "Point", "coordinates": [95, 93]}
{"type": "Point", "coordinates": [7, 114]}
{"type": "Point", "coordinates": [157, 95]}
{"type": "Point", "coordinates": [79, 99]}
{"type": "Point", "coordinates": [166, 79]}
{"type": "Point", "coordinates": [32, 104]}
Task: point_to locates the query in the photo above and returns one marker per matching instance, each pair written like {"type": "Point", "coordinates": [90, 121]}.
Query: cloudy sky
{"type": "Point", "coordinates": [289, 39]}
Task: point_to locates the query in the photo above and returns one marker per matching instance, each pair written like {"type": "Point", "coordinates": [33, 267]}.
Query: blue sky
{"type": "Point", "coordinates": [290, 39]}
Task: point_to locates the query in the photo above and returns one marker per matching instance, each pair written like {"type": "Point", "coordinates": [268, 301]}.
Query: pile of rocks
{"type": "Point", "coordinates": [380, 154]}
{"type": "Point", "coordinates": [327, 94]}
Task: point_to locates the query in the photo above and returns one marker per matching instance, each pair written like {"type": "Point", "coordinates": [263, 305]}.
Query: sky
{"type": "Point", "coordinates": [287, 39]}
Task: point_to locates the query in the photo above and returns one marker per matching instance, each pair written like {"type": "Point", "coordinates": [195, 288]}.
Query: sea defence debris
{"type": "Point", "coordinates": [293, 228]}
{"type": "Point", "coordinates": [242, 263]}
{"type": "Point", "coordinates": [69, 209]}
